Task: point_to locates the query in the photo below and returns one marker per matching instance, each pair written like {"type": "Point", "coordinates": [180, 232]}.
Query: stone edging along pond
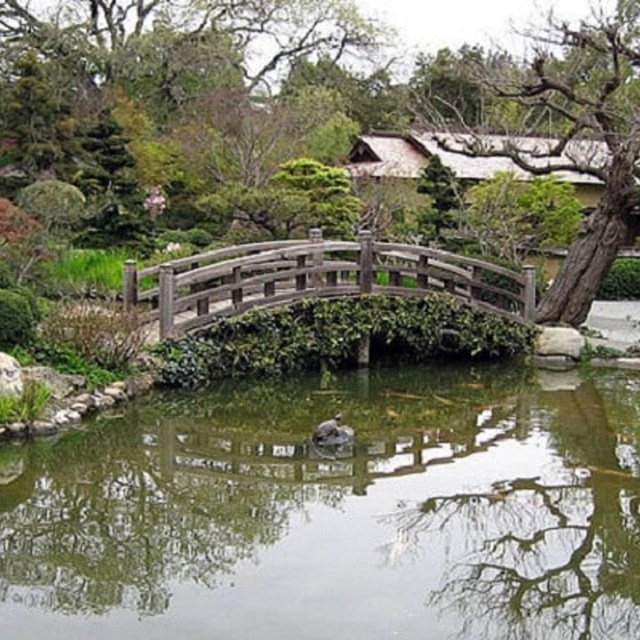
{"type": "Point", "coordinates": [71, 402]}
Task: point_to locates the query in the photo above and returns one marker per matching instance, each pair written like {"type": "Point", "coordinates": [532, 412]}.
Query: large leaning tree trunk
{"type": "Point", "coordinates": [582, 83]}
{"type": "Point", "coordinates": [600, 237]}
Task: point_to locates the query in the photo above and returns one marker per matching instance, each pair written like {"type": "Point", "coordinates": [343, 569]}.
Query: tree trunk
{"type": "Point", "coordinates": [601, 236]}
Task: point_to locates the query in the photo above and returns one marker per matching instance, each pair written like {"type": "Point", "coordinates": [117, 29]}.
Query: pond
{"type": "Point", "coordinates": [476, 502]}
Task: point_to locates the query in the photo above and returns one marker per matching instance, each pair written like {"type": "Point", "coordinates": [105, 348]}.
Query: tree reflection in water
{"type": "Point", "coordinates": [553, 557]}
{"type": "Point", "coordinates": [114, 533]}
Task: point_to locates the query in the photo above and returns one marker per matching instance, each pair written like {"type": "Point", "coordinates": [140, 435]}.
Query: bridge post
{"type": "Point", "coordinates": [236, 294]}
{"type": "Point", "coordinates": [167, 287]}
{"type": "Point", "coordinates": [315, 237]}
{"type": "Point", "coordinates": [129, 285]}
{"type": "Point", "coordinates": [529, 310]}
{"type": "Point", "coordinates": [366, 286]}
{"type": "Point", "coordinates": [366, 261]}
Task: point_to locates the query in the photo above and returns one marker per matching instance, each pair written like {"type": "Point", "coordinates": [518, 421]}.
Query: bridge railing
{"type": "Point", "coordinates": [192, 293]}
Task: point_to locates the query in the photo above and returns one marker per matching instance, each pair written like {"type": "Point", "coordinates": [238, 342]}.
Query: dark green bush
{"type": "Point", "coordinates": [6, 277]}
{"type": "Point", "coordinates": [31, 299]}
{"type": "Point", "coordinates": [269, 343]}
{"type": "Point", "coordinates": [17, 321]}
{"type": "Point", "coordinates": [622, 282]}
{"type": "Point", "coordinates": [171, 235]}
{"type": "Point", "coordinates": [199, 237]}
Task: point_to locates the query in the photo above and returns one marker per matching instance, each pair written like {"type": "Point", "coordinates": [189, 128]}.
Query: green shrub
{"type": "Point", "coordinates": [31, 299]}
{"type": "Point", "coordinates": [171, 235]}
{"type": "Point", "coordinates": [65, 360]}
{"type": "Point", "coordinates": [6, 276]}
{"type": "Point", "coordinates": [622, 282]}
{"type": "Point", "coordinates": [17, 321]}
{"type": "Point", "coordinates": [313, 332]}
{"type": "Point", "coordinates": [196, 237]}
{"type": "Point", "coordinates": [199, 237]}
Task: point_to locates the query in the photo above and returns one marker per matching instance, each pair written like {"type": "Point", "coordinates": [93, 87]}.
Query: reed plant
{"type": "Point", "coordinates": [26, 407]}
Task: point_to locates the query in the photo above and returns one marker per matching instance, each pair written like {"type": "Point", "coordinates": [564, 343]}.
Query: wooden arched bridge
{"type": "Point", "coordinates": [191, 293]}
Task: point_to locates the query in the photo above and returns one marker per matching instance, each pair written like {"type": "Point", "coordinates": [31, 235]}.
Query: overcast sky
{"type": "Point", "coordinates": [432, 24]}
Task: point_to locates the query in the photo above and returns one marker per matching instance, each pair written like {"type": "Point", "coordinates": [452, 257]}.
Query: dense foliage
{"type": "Point", "coordinates": [622, 282]}
{"type": "Point", "coordinates": [17, 318]}
{"type": "Point", "coordinates": [319, 333]}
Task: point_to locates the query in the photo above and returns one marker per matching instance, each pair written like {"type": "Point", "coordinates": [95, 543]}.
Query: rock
{"type": "Point", "coordinates": [555, 363]}
{"type": "Point", "coordinates": [617, 363]}
{"type": "Point", "coordinates": [61, 385]}
{"type": "Point", "coordinates": [10, 375]}
{"type": "Point", "coordinates": [560, 341]}
{"type": "Point", "coordinates": [139, 385]}
{"type": "Point", "coordinates": [60, 418]}
{"type": "Point", "coordinates": [73, 416]}
{"type": "Point", "coordinates": [120, 384]}
{"type": "Point", "coordinates": [79, 407]}
{"type": "Point", "coordinates": [117, 394]}
{"type": "Point", "coordinates": [104, 402]}
{"type": "Point", "coordinates": [43, 428]}
{"type": "Point", "coordinates": [17, 429]}
{"type": "Point", "coordinates": [551, 380]}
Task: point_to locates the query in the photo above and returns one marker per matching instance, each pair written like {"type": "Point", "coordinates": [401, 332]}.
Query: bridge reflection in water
{"type": "Point", "coordinates": [278, 458]}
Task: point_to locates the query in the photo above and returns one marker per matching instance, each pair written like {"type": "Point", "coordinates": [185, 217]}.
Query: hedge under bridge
{"type": "Point", "coordinates": [190, 294]}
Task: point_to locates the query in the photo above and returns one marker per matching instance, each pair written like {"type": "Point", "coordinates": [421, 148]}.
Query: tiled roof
{"type": "Point", "coordinates": [401, 156]}
{"type": "Point", "coordinates": [398, 158]}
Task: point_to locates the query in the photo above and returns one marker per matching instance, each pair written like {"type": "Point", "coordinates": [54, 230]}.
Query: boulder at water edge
{"type": "Point", "coordinates": [10, 375]}
{"type": "Point", "coordinates": [560, 341]}
{"type": "Point", "coordinates": [558, 347]}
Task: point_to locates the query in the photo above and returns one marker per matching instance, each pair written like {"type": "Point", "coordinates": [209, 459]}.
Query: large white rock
{"type": "Point", "coordinates": [10, 375]}
{"type": "Point", "coordinates": [560, 341]}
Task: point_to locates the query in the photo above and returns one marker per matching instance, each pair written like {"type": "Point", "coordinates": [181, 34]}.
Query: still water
{"type": "Point", "coordinates": [476, 502]}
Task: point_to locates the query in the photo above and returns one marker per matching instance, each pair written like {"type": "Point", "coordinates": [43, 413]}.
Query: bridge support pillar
{"type": "Point", "coordinates": [167, 288]}
{"type": "Point", "coordinates": [366, 262]}
{"type": "Point", "coordinates": [529, 312]}
{"type": "Point", "coordinates": [130, 285]}
{"type": "Point", "coordinates": [315, 237]}
{"type": "Point", "coordinates": [364, 351]}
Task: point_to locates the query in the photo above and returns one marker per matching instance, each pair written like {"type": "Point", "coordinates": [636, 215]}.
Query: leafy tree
{"type": "Point", "coordinates": [323, 129]}
{"type": "Point", "coordinates": [443, 88]}
{"type": "Point", "coordinates": [553, 210]}
{"type": "Point", "coordinates": [57, 205]}
{"type": "Point", "coordinates": [591, 91]}
{"type": "Point", "coordinates": [106, 176]}
{"type": "Point", "coordinates": [506, 217]}
{"type": "Point", "coordinates": [21, 240]}
{"type": "Point", "coordinates": [302, 194]}
{"type": "Point", "coordinates": [187, 38]}
{"type": "Point", "coordinates": [35, 117]}
{"type": "Point", "coordinates": [491, 220]}
{"type": "Point", "coordinates": [372, 100]}
{"type": "Point", "coordinates": [157, 160]}
{"type": "Point", "coordinates": [333, 207]}
{"type": "Point", "coordinates": [241, 213]}
{"type": "Point", "coordinates": [444, 191]}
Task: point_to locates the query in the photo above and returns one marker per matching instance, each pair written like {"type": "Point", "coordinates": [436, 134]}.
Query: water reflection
{"type": "Point", "coordinates": [184, 488]}
{"type": "Point", "coordinates": [555, 556]}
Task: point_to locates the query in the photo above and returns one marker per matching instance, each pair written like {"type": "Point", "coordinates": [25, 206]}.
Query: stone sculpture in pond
{"type": "Point", "coordinates": [332, 433]}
